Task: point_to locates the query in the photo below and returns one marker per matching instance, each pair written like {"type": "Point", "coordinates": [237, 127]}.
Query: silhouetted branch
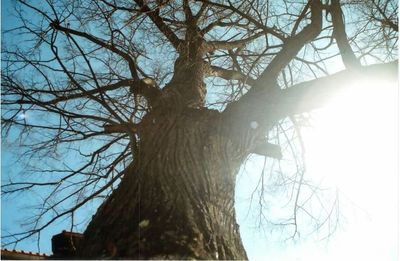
{"type": "Point", "coordinates": [339, 32]}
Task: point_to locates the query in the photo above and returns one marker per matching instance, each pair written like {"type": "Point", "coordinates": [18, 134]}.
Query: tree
{"type": "Point", "coordinates": [122, 86]}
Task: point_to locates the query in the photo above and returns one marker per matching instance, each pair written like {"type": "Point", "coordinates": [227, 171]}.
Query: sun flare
{"type": "Point", "coordinates": [355, 132]}
{"type": "Point", "coordinates": [353, 146]}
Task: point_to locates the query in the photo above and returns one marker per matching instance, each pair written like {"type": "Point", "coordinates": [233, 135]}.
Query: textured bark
{"type": "Point", "coordinates": [177, 200]}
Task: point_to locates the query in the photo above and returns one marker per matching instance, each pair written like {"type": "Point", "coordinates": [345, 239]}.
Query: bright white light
{"type": "Point", "coordinates": [254, 125]}
{"type": "Point", "coordinates": [353, 146]}
{"type": "Point", "coordinates": [22, 116]}
{"type": "Point", "coordinates": [355, 133]}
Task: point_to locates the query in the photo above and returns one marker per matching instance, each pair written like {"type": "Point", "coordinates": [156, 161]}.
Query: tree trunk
{"type": "Point", "coordinates": [177, 200]}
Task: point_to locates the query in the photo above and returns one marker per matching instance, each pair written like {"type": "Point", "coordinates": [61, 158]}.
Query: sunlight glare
{"type": "Point", "coordinates": [354, 132]}
{"type": "Point", "coordinates": [353, 146]}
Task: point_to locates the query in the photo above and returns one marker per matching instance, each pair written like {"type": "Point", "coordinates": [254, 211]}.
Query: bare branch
{"type": "Point", "coordinates": [229, 74]}
{"type": "Point", "coordinates": [102, 43]}
{"type": "Point", "coordinates": [266, 29]}
{"type": "Point", "coordinates": [120, 128]}
{"type": "Point", "coordinates": [225, 45]}
{"type": "Point", "coordinates": [268, 150]}
{"type": "Point", "coordinates": [311, 95]}
{"type": "Point", "coordinates": [158, 21]}
{"type": "Point", "coordinates": [339, 32]}
{"type": "Point", "coordinates": [292, 46]}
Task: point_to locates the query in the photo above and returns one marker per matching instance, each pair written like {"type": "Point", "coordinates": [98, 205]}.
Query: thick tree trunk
{"type": "Point", "coordinates": [177, 200]}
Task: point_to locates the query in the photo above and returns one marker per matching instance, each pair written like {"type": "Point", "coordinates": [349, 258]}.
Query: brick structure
{"type": "Point", "coordinates": [64, 246]}
{"type": "Point", "coordinates": [21, 255]}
